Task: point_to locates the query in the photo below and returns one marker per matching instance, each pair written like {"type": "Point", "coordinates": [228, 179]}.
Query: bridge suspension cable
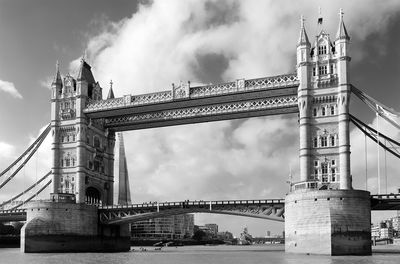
{"type": "Point", "coordinates": [27, 154]}
{"type": "Point", "coordinates": [31, 197]}
{"type": "Point", "coordinates": [39, 141]}
{"type": "Point", "coordinates": [373, 134]}
{"type": "Point", "coordinates": [387, 113]}
{"type": "Point", "coordinates": [25, 191]}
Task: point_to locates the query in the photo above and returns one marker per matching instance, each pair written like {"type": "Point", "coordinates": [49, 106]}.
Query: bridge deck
{"type": "Point", "coordinates": [272, 209]}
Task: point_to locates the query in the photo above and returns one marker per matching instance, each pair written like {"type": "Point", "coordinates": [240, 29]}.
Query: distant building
{"type": "Point", "coordinates": [172, 227]}
{"type": "Point", "coordinates": [382, 231]}
{"type": "Point", "coordinates": [268, 234]}
{"type": "Point", "coordinates": [213, 229]}
{"type": "Point", "coordinates": [375, 232]}
{"type": "Point", "coordinates": [225, 236]}
{"type": "Point", "coordinates": [396, 223]}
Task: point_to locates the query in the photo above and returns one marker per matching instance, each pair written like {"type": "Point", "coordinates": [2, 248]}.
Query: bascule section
{"type": "Point", "coordinates": [83, 150]}
{"type": "Point", "coordinates": [323, 214]}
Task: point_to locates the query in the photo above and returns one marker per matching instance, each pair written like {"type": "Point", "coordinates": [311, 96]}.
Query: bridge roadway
{"type": "Point", "coordinates": [270, 209]}
{"type": "Point", "coordinates": [186, 105]}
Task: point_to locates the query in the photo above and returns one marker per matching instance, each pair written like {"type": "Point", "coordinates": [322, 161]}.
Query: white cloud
{"type": "Point", "coordinates": [9, 87]}
{"type": "Point", "coordinates": [46, 82]}
{"type": "Point", "coordinates": [6, 150]}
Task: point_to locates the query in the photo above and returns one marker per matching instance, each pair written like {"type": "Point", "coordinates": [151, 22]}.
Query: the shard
{"type": "Point", "coordinates": [124, 194]}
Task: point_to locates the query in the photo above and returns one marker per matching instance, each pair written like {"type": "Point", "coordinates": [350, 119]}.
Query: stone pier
{"type": "Point", "coordinates": [65, 226]}
{"type": "Point", "coordinates": [330, 222]}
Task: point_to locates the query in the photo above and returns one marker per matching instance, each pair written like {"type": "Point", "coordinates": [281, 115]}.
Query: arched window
{"type": "Point", "coordinates": [332, 110]}
{"type": "Point", "coordinates": [315, 112]}
{"type": "Point", "coordinates": [92, 196]}
{"type": "Point", "coordinates": [323, 111]}
{"type": "Point", "coordinates": [333, 174]}
{"type": "Point", "coordinates": [333, 141]}
{"type": "Point", "coordinates": [315, 142]}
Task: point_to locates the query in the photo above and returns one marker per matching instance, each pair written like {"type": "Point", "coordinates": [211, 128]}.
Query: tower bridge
{"type": "Point", "coordinates": [322, 212]}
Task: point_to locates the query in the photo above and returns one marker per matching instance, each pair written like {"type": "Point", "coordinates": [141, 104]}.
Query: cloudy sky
{"type": "Point", "coordinates": [145, 46]}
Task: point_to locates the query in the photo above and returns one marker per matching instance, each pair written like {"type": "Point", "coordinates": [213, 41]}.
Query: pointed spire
{"type": "Point", "coordinates": [57, 77]}
{"type": "Point", "coordinates": [303, 38]}
{"type": "Point", "coordinates": [111, 92]}
{"type": "Point", "coordinates": [342, 32]}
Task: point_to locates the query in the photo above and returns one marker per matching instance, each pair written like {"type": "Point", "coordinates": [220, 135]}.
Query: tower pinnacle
{"type": "Point", "coordinates": [57, 77]}
{"type": "Point", "coordinates": [111, 92]}
{"type": "Point", "coordinates": [303, 38]}
{"type": "Point", "coordinates": [342, 32]}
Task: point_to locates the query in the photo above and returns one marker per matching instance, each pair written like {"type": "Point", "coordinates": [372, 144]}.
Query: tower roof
{"type": "Point", "coordinates": [57, 77]}
{"type": "Point", "coordinates": [85, 72]}
{"type": "Point", "coordinates": [342, 32]}
{"type": "Point", "coordinates": [303, 38]}
{"type": "Point", "coordinates": [110, 92]}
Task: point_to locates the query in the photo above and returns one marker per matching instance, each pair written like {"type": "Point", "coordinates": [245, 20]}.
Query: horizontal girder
{"type": "Point", "coordinates": [266, 209]}
{"type": "Point", "coordinates": [381, 202]}
{"type": "Point", "coordinates": [240, 99]}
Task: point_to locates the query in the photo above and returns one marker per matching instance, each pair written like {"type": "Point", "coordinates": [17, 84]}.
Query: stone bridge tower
{"type": "Point", "coordinates": [324, 94]}
{"type": "Point", "coordinates": [323, 214]}
{"type": "Point", "coordinates": [83, 151]}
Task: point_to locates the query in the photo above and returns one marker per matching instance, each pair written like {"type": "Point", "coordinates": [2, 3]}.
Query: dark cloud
{"type": "Point", "coordinates": [209, 67]}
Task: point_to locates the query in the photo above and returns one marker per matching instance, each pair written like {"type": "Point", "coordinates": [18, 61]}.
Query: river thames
{"type": "Point", "coordinates": [258, 254]}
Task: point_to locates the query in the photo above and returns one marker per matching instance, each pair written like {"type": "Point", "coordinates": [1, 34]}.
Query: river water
{"type": "Point", "coordinates": [262, 254]}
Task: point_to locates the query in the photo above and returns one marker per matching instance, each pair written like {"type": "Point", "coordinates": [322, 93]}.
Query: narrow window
{"type": "Point", "coordinates": [333, 171]}
{"type": "Point", "coordinates": [332, 110]}
{"type": "Point", "coordinates": [315, 112]}
{"type": "Point", "coordinates": [315, 142]}
{"type": "Point", "coordinates": [324, 141]}
{"type": "Point", "coordinates": [313, 71]}
{"type": "Point", "coordinates": [316, 163]}
{"type": "Point", "coordinates": [323, 111]}
{"type": "Point", "coordinates": [333, 162]}
{"type": "Point", "coordinates": [332, 69]}
{"type": "Point", "coordinates": [332, 141]}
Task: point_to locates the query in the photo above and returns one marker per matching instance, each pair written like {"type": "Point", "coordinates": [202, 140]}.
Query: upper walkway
{"type": "Point", "coordinates": [185, 105]}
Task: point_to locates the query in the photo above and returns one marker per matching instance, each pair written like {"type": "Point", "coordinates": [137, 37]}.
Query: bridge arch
{"type": "Point", "coordinates": [93, 195]}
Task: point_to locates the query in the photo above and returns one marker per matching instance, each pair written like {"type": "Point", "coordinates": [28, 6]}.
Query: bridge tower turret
{"type": "Point", "coordinates": [341, 48]}
{"type": "Point", "coordinates": [56, 91]}
{"type": "Point", "coordinates": [303, 73]}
